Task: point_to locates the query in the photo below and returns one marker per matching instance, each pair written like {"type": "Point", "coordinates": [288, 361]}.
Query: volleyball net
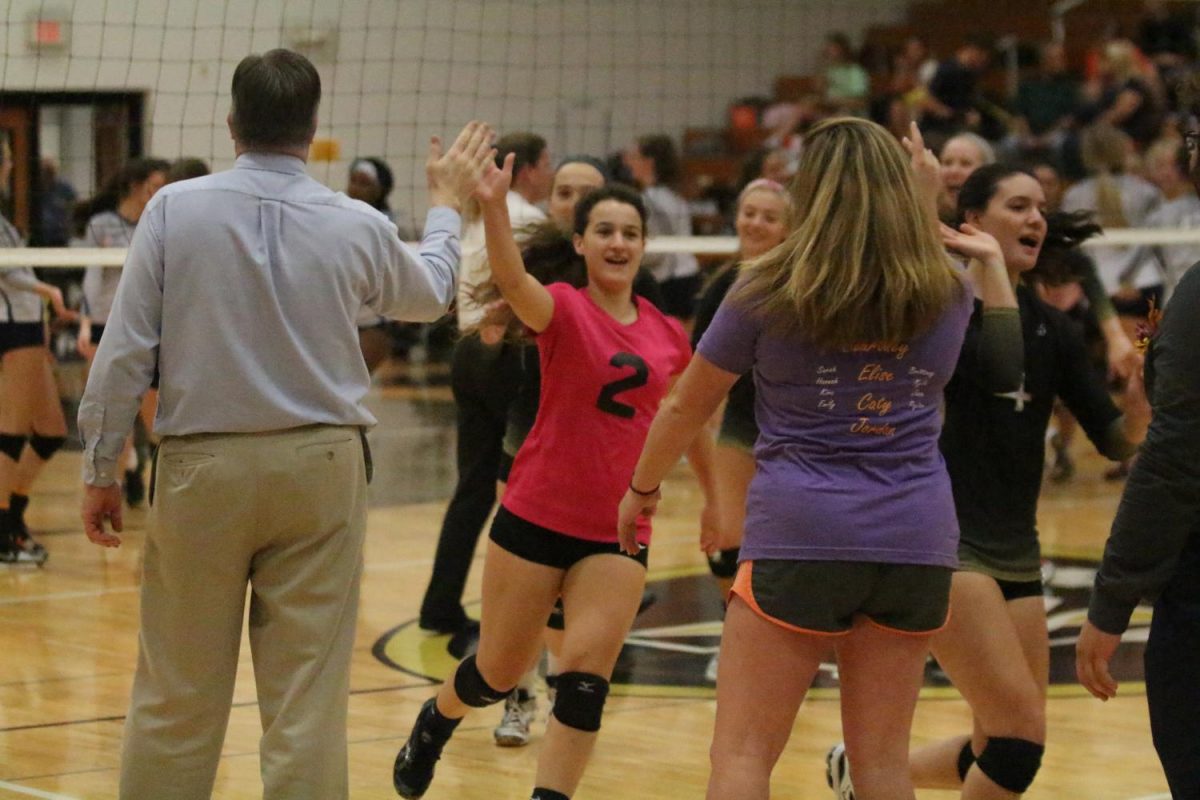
{"type": "Point", "coordinates": [87, 84]}
{"type": "Point", "coordinates": [92, 82]}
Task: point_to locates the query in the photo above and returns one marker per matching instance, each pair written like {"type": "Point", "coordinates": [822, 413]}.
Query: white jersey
{"type": "Point", "coordinates": [18, 301]}
{"type": "Point", "coordinates": [475, 270]}
{"type": "Point", "coordinates": [106, 229]}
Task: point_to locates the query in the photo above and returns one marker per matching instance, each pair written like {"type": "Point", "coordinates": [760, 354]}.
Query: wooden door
{"type": "Point", "coordinates": [18, 122]}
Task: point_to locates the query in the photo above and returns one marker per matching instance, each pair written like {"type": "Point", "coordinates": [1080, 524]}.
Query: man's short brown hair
{"type": "Point", "coordinates": [275, 99]}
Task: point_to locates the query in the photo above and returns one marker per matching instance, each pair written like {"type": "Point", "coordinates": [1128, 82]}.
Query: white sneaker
{"type": "Point", "coordinates": [710, 672]}
{"type": "Point", "coordinates": [519, 710]}
{"type": "Point", "coordinates": [837, 772]}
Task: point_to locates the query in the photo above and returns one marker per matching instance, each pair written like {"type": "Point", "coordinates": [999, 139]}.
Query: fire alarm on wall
{"type": "Point", "coordinates": [49, 31]}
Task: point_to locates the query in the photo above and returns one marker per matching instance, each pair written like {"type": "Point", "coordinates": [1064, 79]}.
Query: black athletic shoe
{"type": "Point", "coordinates": [11, 553]}
{"type": "Point", "coordinates": [32, 551]}
{"type": "Point", "coordinates": [15, 549]}
{"type": "Point", "coordinates": [413, 770]}
{"type": "Point", "coordinates": [135, 488]}
{"type": "Point", "coordinates": [23, 540]}
{"type": "Point", "coordinates": [442, 624]}
{"type": "Point", "coordinates": [465, 640]}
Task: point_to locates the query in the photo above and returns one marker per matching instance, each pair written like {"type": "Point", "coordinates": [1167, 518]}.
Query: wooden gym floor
{"type": "Point", "coordinates": [69, 636]}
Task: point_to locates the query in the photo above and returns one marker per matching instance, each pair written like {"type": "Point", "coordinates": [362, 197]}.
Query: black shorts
{"type": "Point", "coordinates": [17, 335]}
{"type": "Point", "coordinates": [824, 597]}
{"type": "Point", "coordinates": [550, 548]}
{"type": "Point", "coordinates": [1017, 590]}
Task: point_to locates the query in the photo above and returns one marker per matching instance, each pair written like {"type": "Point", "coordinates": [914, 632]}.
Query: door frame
{"type": "Point", "coordinates": [27, 164]}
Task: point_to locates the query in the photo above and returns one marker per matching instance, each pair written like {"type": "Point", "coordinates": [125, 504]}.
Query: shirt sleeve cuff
{"type": "Point", "coordinates": [443, 218]}
{"type": "Point", "coordinates": [99, 472]}
{"type": "Point", "coordinates": [1109, 614]}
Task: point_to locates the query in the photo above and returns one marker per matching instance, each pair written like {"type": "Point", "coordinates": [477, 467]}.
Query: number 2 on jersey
{"type": "Point", "coordinates": [607, 401]}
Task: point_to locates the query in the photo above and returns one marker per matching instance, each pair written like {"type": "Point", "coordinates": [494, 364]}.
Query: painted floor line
{"type": "Point", "coordinates": [28, 792]}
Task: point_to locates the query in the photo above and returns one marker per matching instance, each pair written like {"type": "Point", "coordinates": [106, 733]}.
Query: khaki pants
{"type": "Point", "coordinates": [284, 512]}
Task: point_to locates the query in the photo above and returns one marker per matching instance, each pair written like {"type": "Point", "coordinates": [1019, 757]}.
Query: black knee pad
{"type": "Point", "coordinates": [558, 618]}
{"type": "Point", "coordinates": [11, 445]}
{"type": "Point", "coordinates": [46, 446]}
{"type": "Point", "coordinates": [966, 757]}
{"type": "Point", "coordinates": [579, 702]}
{"type": "Point", "coordinates": [724, 563]}
{"type": "Point", "coordinates": [472, 689]}
{"type": "Point", "coordinates": [1011, 763]}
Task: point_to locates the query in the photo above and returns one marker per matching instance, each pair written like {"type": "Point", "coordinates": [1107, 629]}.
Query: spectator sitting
{"type": "Point", "coordinates": [953, 89]}
{"type": "Point", "coordinates": [1046, 103]}
{"type": "Point", "coordinates": [847, 84]}
{"type": "Point", "coordinates": [1166, 38]}
{"type": "Point", "coordinates": [1125, 95]}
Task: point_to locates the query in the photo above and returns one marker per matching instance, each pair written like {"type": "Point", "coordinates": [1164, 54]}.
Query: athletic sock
{"type": "Point", "coordinates": [17, 503]}
{"type": "Point", "coordinates": [548, 794]}
{"type": "Point", "coordinates": [437, 723]}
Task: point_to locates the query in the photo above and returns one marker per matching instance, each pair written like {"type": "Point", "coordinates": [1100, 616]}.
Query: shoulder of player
{"type": "Point", "coordinates": [650, 315]}
{"type": "Point", "coordinates": [521, 212]}
{"type": "Point", "coordinates": [102, 219]}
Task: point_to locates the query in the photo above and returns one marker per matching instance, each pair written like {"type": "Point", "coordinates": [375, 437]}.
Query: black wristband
{"type": "Point", "coordinates": [640, 493]}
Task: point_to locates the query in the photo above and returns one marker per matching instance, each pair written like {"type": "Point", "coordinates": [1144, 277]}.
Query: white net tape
{"type": "Point", "coordinates": [76, 257]}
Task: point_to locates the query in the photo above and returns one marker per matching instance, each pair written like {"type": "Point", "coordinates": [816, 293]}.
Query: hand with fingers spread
{"type": "Point", "coordinates": [925, 166]}
{"type": "Point", "coordinates": [973, 243]}
{"type": "Point", "coordinates": [1093, 652]}
{"type": "Point", "coordinates": [496, 181]}
{"type": "Point", "coordinates": [454, 174]}
{"type": "Point", "coordinates": [101, 503]}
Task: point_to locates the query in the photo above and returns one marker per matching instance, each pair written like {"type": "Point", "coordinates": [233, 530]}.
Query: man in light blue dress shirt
{"type": "Point", "coordinates": [243, 288]}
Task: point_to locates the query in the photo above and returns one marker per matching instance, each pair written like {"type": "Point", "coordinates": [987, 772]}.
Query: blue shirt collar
{"type": "Point", "coordinates": [273, 162]}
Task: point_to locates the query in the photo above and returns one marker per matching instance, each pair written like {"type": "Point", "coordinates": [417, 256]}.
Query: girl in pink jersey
{"type": "Point", "coordinates": [607, 359]}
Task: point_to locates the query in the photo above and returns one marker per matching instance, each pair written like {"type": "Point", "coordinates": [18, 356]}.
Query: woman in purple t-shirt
{"type": "Point", "coordinates": [852, 327]}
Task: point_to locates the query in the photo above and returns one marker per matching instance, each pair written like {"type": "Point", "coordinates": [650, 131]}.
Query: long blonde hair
{"type": "Point", "coordinates": [864, 261]}
{"type": "Point", "coordinates": [1103, 149]}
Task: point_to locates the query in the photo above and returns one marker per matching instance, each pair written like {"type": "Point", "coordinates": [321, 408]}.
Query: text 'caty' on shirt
{"type": "Point", "coordinates": [847, 460]}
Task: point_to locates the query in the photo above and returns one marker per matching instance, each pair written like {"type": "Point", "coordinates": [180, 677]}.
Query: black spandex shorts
{"type": "Point", "coordinates": [16, 335]}
{"type": "Point", "coordinates": [824, 597]}
{"type": "Point", "coordinates": [550, 548]}
{"type": "Point", "coordinates": [1016, 590]}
